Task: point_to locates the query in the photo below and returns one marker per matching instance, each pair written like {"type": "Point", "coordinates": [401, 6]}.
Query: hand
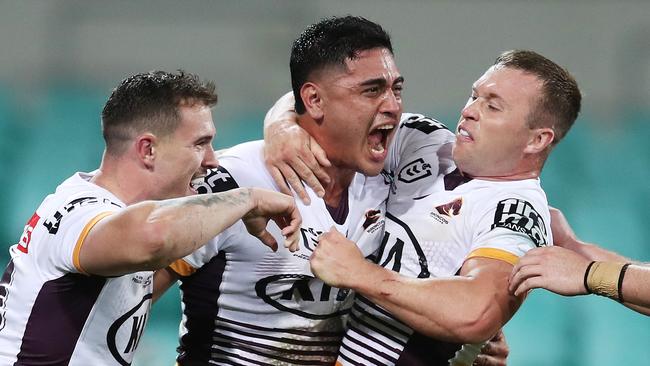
{"type": "Point", "coordinates": [279, 208]}
{"type": "Point", "coordinates": [336, 259]}
{"type": "Point", "coordinates": [494, 353]}
{"type": "Point", "coordinates": [553, 268]}
{"type": "Point", "coordinates": [292, 156]}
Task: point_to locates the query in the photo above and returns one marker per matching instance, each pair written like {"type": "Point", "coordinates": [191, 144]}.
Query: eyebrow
{"type": "Point", "coordinates": [492, 95]}
{"type": "Point", "coordinates": [381, 81]}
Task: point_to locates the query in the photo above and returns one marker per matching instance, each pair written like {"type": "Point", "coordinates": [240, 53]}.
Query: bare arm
{"type": "Point", "coordinates": [163, 279]}
{"type": "Point", "coordinates": [291, 155]}
{"type": "Point", "coordinates": [152, 234]}
{"type": "Point", "coordinates": [562, 271]}
{"type": "Point", "coordinates": [469, 308]}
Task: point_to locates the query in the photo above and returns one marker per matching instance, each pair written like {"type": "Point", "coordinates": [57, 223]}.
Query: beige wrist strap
{"type": "Point", "coordinates": [605, 279]}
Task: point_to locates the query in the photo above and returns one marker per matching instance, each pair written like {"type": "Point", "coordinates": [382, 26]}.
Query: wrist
{"type": "Point", "coordinates": [605, 279]}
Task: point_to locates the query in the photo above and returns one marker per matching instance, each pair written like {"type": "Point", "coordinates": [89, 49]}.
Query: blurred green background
{"type": "Point", "coordinates": [60, 59]}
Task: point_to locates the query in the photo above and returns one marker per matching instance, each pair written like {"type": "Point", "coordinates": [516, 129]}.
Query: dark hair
{"type": "Point", "coordinates": [331, 42]}
{"type": "Point", "coordinates": [149, 102]}
{"type": "Point", "coordinates": [560, 103]}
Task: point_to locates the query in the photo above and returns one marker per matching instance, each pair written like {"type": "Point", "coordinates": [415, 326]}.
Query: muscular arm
{"type": "Point", "coordinates": [469, 308]}
{"type": "Point", "coordinates": [152, 234]}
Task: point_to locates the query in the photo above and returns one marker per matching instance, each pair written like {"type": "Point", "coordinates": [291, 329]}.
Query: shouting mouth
{"type": "Point", "coordinates": [378, 140]}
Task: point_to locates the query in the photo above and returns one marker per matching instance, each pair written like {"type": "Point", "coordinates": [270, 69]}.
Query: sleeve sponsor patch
{"type": "Point", "coordinates": [217, 180]}
{"type": "Point", "coordinates": [520, 216]}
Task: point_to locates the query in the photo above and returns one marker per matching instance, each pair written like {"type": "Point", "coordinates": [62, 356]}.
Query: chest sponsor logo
{"type": "Point", "coordinates": [414, 171]}
{"type": "Point", "coordinates": [52, 223]}
{"type": "Point", "coordinates": [302, 295]}
{"type": "Point", "coordinates": [125, 333]}
{"type": "Point", "coordinates": [520, 216]}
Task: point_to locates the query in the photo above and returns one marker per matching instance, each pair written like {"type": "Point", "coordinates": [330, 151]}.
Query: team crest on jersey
{"type": "Point", "coordinates": [414, 171]}
{"type": "Point", "coordinates": [520, 216]}
{"type": "Point", "coordinates": [447, 211]}
{"type": "Point", "coordinates": [452, 208]}
{"type": "Point", "coordinates": [372, 221]}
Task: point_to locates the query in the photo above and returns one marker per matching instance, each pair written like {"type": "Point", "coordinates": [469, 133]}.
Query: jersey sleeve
{"type": "Point", "coordinates": [509, 225]}
{"type": "Point", "coordinates": [67, 229]}
{"type": "Point", "coordinates": [420, 152]}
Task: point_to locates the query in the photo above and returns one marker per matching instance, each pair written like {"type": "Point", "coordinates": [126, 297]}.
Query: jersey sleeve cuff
{"type": "Point", "coordinates": [494, 253]}
{"type": "Point", "coordinates": [182, 268]}
{"type": "Point", "coordinates": [80, 241]}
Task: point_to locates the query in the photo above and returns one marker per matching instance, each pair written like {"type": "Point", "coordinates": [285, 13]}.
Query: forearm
{"type": "Point", "coordinates": [463, 309]}
{"type": "Point", "coordinates": [189, 222]}
{"type": "Point", "coordinates": [152, 234]}
{"type": "Point", "coordinates": [636, 287]}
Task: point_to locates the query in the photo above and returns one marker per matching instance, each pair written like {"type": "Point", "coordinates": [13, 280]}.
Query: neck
{"type": "Point", "coordinates": [116, 176]}
{"type": "Point", "coordinates": [340, 181]}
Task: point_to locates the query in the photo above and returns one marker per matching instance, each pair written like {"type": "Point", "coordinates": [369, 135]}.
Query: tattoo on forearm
{"type": "Point", "coordinates": [236, 197]}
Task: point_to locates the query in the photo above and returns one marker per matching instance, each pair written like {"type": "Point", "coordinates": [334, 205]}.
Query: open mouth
{"type": "Point", "coordinates": [462, 132]}
{"type": "Point", "coordinates": [378, 139]}
{"type": "Point", "coordinates": [195, 183]}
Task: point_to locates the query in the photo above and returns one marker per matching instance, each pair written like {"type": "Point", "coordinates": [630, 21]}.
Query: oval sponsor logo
{"type": "Point", "coordinates": [304, 296]}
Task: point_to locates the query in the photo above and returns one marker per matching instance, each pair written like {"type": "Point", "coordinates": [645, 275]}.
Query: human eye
{"type": "Point", "coordinates": [397, 90]}
{"type": "Point", "coordinates": [372, 91]}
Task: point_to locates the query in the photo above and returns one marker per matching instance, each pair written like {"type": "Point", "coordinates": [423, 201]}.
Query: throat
{"type": "Point", "coordinates": [339, 212]}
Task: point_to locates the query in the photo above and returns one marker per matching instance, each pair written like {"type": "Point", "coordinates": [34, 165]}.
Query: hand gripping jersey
{"type": "Point", "coordinates": [246, 305]}
{"type": "Point", "coordinates": [51, 313]}
{"type": "Point", "coordinates": [433, 224]}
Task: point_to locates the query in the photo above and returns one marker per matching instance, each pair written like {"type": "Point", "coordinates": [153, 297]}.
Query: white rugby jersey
{"type": "Point", "coordinates": [51, 313]}
{"type": "Point", "coordinates": [250, 306]}
{"type": "Point", "coordinates": [433, 224]}
{"type": "Point", "coordinates": [247, 305]}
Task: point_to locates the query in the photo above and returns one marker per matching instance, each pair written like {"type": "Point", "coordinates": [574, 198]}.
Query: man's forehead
{"type": "Point", "coordinates": [502, 79]}
{"type": "Point", "coordinates": [376, 63]}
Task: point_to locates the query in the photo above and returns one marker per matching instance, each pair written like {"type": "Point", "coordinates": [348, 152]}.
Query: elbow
{"type": "Point", "coordinates": [153, 251]}
{"type": "Point", "coordinates": [475, 326]}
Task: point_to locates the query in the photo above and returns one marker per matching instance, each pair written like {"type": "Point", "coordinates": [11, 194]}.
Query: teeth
{"type": "Point", "coordinates": [463, 133]}
{"type": "Point", "coordinates": [386, 127]}
{"type": "Point", "coordinates": [378, 149]}
{"type": "Point", "coordinates": [196, 182]}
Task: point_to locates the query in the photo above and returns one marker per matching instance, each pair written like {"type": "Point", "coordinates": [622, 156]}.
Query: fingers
{"type": "Point", "coordinates": [268, 240]}
{"type": "Point", "coordinates": [279, 180]}
{"type": "Point", "coordinates": [319, 154]}
{"type": "Point", "coordinates": [484, 360]}
{"type": "Point", "coordinates": [293, 180]}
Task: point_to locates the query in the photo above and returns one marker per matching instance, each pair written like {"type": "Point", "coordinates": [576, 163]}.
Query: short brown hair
{"type": "Point", "coordinates": [560, 103]}
{"type": "Point", "coordinates": [149, 102]}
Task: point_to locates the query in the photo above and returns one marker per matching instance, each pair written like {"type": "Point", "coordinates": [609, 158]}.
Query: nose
{"type": "Point", "coordinates": [470, 111]}
{"type": "Point", "coordinates": [392, 104]}
{"type": "Point", "coordinates": [210, 159]}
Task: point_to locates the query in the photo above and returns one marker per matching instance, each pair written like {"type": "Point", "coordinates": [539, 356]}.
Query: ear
{"type": "Point", "coordinates": [145, 146]}
{"type": "Point", "coordinates": [540, 140]}
{"type": "Point", "coordinates": [312, 98]}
